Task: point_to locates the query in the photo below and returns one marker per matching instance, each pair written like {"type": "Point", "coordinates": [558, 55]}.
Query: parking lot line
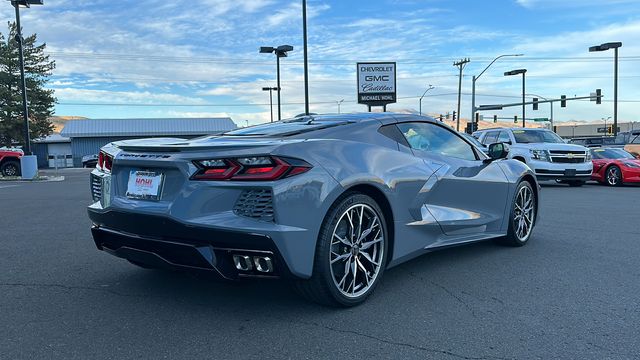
{"type": "Point", "coordinates": [8, 186]}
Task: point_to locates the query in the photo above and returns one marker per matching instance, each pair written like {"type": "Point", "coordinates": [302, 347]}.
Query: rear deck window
{"type": "Point", "coordinates": [286, 127]}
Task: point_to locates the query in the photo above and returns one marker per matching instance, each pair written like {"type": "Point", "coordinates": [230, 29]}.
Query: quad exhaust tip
{"type": "Point", "coordinates": [262, 264]}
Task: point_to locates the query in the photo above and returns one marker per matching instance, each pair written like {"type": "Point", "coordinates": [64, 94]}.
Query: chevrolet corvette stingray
{"type": "Point", "coordinates": [327, 201]}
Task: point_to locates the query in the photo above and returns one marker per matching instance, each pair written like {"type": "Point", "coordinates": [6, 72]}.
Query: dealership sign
{"type": "Point", "coordinates": [377, 83]}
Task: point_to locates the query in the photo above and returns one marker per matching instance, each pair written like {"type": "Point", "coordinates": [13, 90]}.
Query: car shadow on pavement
{"type": "Point", "coordinates": [193, 290]}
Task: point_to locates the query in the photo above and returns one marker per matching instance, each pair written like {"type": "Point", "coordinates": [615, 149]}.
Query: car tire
{"type": "Point", "coordinates": [516, 234]}
{"type": "Point", "coordinates": [10, 168]}
{"type": "Point", "coordinates": [613, 176]}
{"type": "Point", "coordinates": [350, 259]}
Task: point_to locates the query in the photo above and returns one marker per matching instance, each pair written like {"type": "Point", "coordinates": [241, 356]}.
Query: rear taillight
{"type": "Point", "coordinates": [253, 168]}
{"type": "Point", "coordinates": [105, 161]}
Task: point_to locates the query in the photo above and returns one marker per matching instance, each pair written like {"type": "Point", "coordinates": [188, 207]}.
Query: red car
{"type": "Point", "coordinates": [10, 161]}
{"type": "Point", "coordinates": [614, 166]}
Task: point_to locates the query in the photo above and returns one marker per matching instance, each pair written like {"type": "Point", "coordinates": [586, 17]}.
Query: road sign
{"type": "Point", "coordinates": [540, 119]}
{"type": "Point", "coordinates": [377, 83]}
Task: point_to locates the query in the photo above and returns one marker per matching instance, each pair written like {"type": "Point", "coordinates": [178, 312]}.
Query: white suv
{"type": "Point", "coordinates": [545, 153]}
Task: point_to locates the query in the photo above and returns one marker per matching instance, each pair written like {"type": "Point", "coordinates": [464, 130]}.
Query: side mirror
{"type": "Point", "coordinates": [498, 151]}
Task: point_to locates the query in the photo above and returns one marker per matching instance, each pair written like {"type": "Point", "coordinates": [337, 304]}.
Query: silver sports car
{"type": "Point", "coordinates": [328, 201]}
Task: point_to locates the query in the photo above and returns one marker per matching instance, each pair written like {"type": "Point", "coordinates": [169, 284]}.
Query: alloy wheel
{"type": "Point", "coordinates": [357, 249]}
{"type": "Point", "coordinates": [613, 176]}
{"type": "Point", "coordinates": [11, 170]}
{"type": "Point", "coordinates": [524, 213]}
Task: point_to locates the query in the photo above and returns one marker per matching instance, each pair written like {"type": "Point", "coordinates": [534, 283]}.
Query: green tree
{"type": "Point", "coordinates": [38, 69]}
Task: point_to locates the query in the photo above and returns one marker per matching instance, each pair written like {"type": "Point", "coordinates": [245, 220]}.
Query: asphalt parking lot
{"type": "Point", "coordinates": [573, 292]}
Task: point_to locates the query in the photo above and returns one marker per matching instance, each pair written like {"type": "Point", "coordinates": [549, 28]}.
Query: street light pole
{"type": "Point", "coordinates": [423, 94]}
{"type": "Point", "coordinates": [23, 83]}
{"type": "Point", "coordinates": [339, 102]}
{"type": "Point", "coordinates": [280, 51]}
{"type": "Point", "coordinates": [615, 92]}
{"type": "Point", "coordinates": [518, 72]}
{"type": "Point", "coordinates": [524, 119]}
{"type": "Point", "coordinates": [551, 110]}
{"type": "Point", "coordinates": [605, 47]}
{"type": "Point", "coordinates": [29, 162]}
{"type": "Point", "coordinates": [473, 84]}
{"type": "Point", "coordinates": [270, 90]}
{"type": "Point", "coordinates": [278, 86]}
{"type": "Point", "coordinates": [605, 124]}
{"type": "Point", "coordinates": [306, 59]}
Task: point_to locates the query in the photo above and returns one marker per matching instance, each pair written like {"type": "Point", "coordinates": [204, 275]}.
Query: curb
{"type": "Point", "coordinates": [38, 179]}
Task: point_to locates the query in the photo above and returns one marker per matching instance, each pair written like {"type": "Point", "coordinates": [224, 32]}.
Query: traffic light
{"type": "Point", "coordinates": [440, 117]}
{"type": "Point", "coordinates": [495, 118]}
{"type": "Point", "coordinates": [535, 103]}
{"type": "Point", "coordinates": [563, 101]}
{"type": "Point", "coordinates": [515, 119]}
{"type": "Point", "coordinates": [471, 127]}
{"type": "Point", "coordinates": [454, 116]}
{"type": "Point", "coordinates": [598, 96]}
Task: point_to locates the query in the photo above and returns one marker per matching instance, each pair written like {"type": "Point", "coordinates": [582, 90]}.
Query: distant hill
{"type": "Point", "coordinates": [59, 121]}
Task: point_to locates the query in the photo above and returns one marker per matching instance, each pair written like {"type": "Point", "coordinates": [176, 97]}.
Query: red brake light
{"type": "Point", "coordinates": [105, 161]}
{"type": "Point", "coordinates": [261, 168]}
{"type": "Point", "coordinates": [222, 170]}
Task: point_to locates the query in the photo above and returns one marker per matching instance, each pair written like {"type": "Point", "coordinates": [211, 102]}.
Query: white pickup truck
{"type": "Point", "coordinates": [545, 153]}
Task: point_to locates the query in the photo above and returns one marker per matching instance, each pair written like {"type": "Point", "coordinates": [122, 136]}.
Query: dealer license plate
{"type": "Point", "coordinates": [570, 172]}
{"type": "Point", "coordinates": [145, 185]}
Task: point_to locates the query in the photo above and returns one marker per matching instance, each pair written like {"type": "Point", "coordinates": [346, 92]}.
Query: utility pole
{"type": "Point", "coordinates": [460, 64]}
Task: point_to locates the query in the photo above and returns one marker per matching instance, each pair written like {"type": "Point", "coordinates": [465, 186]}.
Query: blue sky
{"type": "Point", "coordinates": [118, 59]}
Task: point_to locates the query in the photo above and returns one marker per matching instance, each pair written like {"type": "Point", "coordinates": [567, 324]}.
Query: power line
{"type": "Point", "coordinates": [248, 61]}
{"type": "Point", "coordinates": [260, 81]}
{"type": "Point", "coordinates": [298, 103]}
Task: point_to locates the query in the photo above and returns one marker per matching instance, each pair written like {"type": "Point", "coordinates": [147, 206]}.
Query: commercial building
{"type": "Point", "coordinates": [575, 129]}
{"type": "Point", "coordinates": [53, 151]}
{"type": "Point", "coordinates": [87, 136]}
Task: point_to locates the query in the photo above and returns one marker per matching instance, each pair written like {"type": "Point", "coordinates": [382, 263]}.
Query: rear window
{"type": "Point", "coordinates": [286, 127]}
{"type": "Point", "coordinates": [536, 136]}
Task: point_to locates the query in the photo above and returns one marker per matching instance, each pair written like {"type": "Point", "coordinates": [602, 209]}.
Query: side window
{"type": "Point", "coordinates": [436, 139]}
{"type": "Point", "coordinates": [490, 138]}
{"type": "Point", "coordinates": [393, 133]}
{"type": "Point", "coordinates": [504, 137]}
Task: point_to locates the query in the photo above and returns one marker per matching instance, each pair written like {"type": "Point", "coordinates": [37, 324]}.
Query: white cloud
{"type": "Point", "coordinates": [106, 96]}
{"type": "Point", "coordinates": [526, 3]}
{"type": "Point", "coordinates": [157, 46]}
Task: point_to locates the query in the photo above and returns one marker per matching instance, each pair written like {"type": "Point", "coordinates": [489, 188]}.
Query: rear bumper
{"type": "Point", "coordinates": [164, 243]}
